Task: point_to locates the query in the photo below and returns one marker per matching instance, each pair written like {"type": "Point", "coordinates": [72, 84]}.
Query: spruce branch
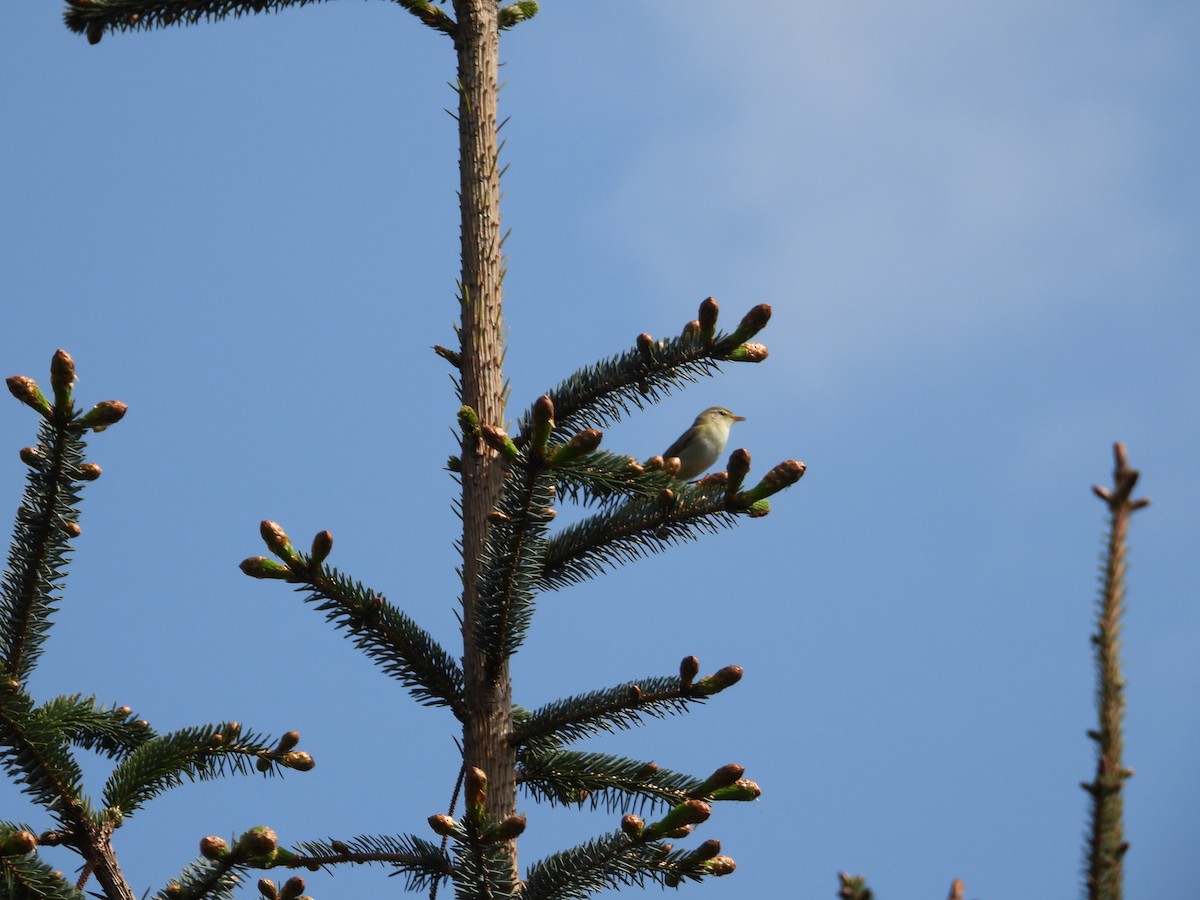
{"type": "Point", "coordinates": [197, 754]}
{"type": "Point", "coordinates": [1106, 845]}
{"type": "Point", "coordinates": [607, 710]}
{"type": "Point", "coordinates": [515, 13]}
{"type": "Point", "coordinates": [48, 517]}
{"type": "Point", "coordinates": [421, 862]}
{"type": "Point", "coordinates": [628, 857]}
{"type": "Point", "coordinates": [603, 393]}
{"type": "Point", "coordinates": [35, 755]}
{"type": "Point", "coordinates": [512, 563]}
{"type": "Point", "coordinates": [403, 649]}
{"type": "Point", "coordinates": [110, 732]}
{"type": "Point", "coordinates": [613, 861]}
{"type": "Point", "coordinates": [569, 778]}
{"type": "Point", "coordinates": [631, 531]}
{"type": "Point", "coordinates": [25, 876]}
{"type": "Point", "coordinates": [215, 879]}
{"type": "Point", "coordinates": [604, 477]}
{"type": "Point", "coordinates": [96, 17]}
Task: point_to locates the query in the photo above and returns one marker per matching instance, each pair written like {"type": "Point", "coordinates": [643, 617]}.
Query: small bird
{"type": "Point", "coordinates": [700, 446]}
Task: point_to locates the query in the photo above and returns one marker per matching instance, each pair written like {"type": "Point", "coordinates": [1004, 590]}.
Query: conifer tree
{"type": "Point", "coordinates": [511, 554]}
{"type": "Point", "coordinates": [510, 485]}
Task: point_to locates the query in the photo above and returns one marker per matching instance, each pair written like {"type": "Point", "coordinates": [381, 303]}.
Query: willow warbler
{"type": "Point", "coordinates": [700, 446]}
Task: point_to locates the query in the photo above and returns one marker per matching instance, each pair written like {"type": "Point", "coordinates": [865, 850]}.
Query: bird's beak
{"type": "Point", "coordinates": [739, 418]}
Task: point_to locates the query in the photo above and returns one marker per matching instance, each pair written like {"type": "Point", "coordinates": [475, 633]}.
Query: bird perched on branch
{"type": "Point", "coordinates": [702, 444]}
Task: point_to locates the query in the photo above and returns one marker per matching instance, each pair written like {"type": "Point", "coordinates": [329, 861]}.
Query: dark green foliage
{"type": "Point", "coordinates": [635, 529]}
{"type": "Point", "coordinates": [214, 879]}
{"type": "Point", "coordinates": [605, 477]}
{"type": "Point", "coordinates": [421, 862]}
{"type": "Point", "coordinates": [613, 861]}
{"type": "Point", "coordinates": [512, 564]}
{"type": "Point", "coordinates": [40, 548]}
{"type": "Point", "coordinates": [194, 754]}
{"type": "Point", "coordinates": [567, 778]}
{"type": "Point", "coordinates": [607, 391]}
{"type": "Point", "coordinates": [610, 709]}
{"type": "Point", "coordinates": [33, 753]}
{"type": "Point", "coordinates": [482, 871]}
{"type": "Point", "coordinates": [27, 877]}
{"type": "Point", "coordinates": [94, 17]}
{"type": "Point", "coordinates": [388, 636]}
{"type": "Point", "coordinates": [111, 732]}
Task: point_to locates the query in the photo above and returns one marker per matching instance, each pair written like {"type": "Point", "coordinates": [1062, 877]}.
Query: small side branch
{"type": "Point", "coordinates": [1106, 841]}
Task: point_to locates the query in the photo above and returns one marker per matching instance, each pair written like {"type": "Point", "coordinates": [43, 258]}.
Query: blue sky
{"type": "Point", "coordinates": [977, 225]}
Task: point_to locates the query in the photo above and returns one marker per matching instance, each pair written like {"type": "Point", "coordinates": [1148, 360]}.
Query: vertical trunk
{"type": "Point", "coordinates": [490, 721]}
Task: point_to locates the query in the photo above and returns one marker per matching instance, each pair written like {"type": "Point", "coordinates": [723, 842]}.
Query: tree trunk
{"type": "Point", "coordinates": [490, 704]}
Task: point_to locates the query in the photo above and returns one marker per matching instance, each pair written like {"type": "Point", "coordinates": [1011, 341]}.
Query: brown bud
{"type": "Point", "coordinates": [213, 847]}
{"type": "Point", "coordinates": [507, 830]}
{"type": "Point", "coordinates": [62, 372]}
{"type": "Point", "coordinates": [543, 409]}
{"type": "Point", "coordinates": [689, 668]}
{"type": "Point", "coordinates": [723, 777]}
{"type": "Point", "coordinates": [645, 344]}
{"type": "Point", "coordinates": [498, 440]}
{"type": "Point", "coordinates": [697, 811]}
{"type": "Point", "coordinates": [267, 888]}
{"type": "Point", "coordinates": [586, 441]}
{"type": "Point", "coordinates": [103, 414]}
{"type": "Point", "coordinates": [672, 465]}
{"type": "Point", "coordinates": [497, 517]}
{"type": "Point", "coordinates": [751, 352]}
{"type": "Point", "coordinates": [634, 692]}
{"type": "Point", "coordinates": [95, 31]}
{"type": "Point", "coordinates": [288, 742]}
{"type": "Point", "coordinates": [718, 681]}
{"type": "Point", "coordinates": [298, 760]}
{"type": "Point", "coordinates": [632, 825]}
{"type": "Point", "coordinates": [681, 832]}
{"type": "Point", "coordinates": [72, 529]}
{"type": "Point", "coordinates": [258, 842]}
{"type": "Point", "coordinates": [648, 770]}
{"type": "Point", "coordinates": [708, 317]}
{"type": "Point", "coordinates": [691, 328]}
{"type": "Point", "coordinates": [720, 865]}
{"type": "Point", "coordinates": [27, 391]}
{"type": "Point", "coordinates": [475, 782]}
{"type": "Point", "coordinates": [18, 843]}
{"type": "Point", "coordinates": [322, 546]}
{"type": "Point", "coordinates": [31, 457]}
{"type": "Point", "coordinates": [339, 847]}
{"type": "Point", "coordinates": [653, 464]}
{"type": "Point", "coordinates": [276, 539]}
{"type": "Point", "coordinates": [89, 471]}
{"type": "Point", "coordinates": [292, 888]}
{"type": "Point", "coordinates": [443, 825]}
{"type": "Point", "coordinates": [261, 567]}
